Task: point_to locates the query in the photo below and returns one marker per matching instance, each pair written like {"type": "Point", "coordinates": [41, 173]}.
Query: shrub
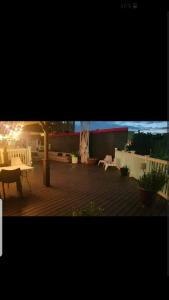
{"type": "Point", "coordinates": [92, 210]}
{"type": "Point", "coordinates": [153, 181]}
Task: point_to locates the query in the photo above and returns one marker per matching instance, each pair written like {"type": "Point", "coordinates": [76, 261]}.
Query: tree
{"type": "Point", "coordinates": [62, 126]}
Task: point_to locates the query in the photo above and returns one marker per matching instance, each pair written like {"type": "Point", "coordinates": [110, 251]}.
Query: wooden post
{"type": "Point", "coordinates": [29, 156]}
{"type": "Point", "coordinates": [5, 156]}
{"type": "Point", "coordinates": [46, 165]}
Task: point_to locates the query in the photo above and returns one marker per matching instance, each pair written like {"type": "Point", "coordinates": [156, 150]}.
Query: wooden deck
{"type": "Point", "coordinates": [75, 186]}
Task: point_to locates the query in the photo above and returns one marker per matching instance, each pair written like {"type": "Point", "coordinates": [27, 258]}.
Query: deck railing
{"type": "Point", "coordinates": [23, 153]}
{"type": "Point", "coordinates": [139, 164]}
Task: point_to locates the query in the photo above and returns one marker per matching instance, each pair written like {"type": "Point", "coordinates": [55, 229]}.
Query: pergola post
{"type": "Point", "coordinates": [46, 162]}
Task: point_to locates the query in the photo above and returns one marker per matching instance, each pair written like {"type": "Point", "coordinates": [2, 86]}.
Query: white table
{"type": "Point", "coordinates": [22, 167]}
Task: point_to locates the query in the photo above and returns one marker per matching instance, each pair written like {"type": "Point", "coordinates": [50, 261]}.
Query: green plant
{"type": "Point", "coordinates": [75, 154]}
{"type": "Point", "coordinates": [125, 168]}
{"type": "Point", "coordinates": [124, 171]}
{"type": "Point", "coordinates": [90, 211]}
{"type": "Point", "coordinates": [128, 147]}
{"type": "Point", "coordinates": [153, 181]}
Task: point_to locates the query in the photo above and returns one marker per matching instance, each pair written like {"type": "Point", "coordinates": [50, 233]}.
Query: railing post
{"type": "Point", "coordinates": [29, 156]}
{"type": "Point", "coordinates": [5, 156]}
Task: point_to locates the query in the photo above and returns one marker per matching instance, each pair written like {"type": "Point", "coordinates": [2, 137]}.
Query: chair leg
{"type": "Point", "coordinates": [106, 166]}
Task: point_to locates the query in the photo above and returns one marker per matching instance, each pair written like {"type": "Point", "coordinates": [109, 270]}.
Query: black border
{"type": "Point", "coordinates": [71, 84]}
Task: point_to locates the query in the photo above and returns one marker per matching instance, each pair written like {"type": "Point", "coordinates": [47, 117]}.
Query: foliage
{"type": "Point", "coordinates": [90, 211]}
{"type": "Point", "coordinates": [155, 145]}
{"type": "Point", "coordinates": [129, 147]}
{"type": "Point", "coordinates": [153, 181]}
{"type": "Point", "coordinates": [125, 168]}
{"type": "Point", "coordinates": [61, 126]}
{"type": "Point", "coordinates": [75, 154]}
{"type": "Point", "coordinates": [124, 171]}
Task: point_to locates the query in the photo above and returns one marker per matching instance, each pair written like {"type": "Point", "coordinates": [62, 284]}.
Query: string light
{"type": "Point", "coordinates": [10, 130]}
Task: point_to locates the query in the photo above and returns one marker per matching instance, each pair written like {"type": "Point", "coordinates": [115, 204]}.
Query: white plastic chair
{"type": "Point", "coordinates": [107, 162]}
{"type": "Point", "coordinates": [107, 159]}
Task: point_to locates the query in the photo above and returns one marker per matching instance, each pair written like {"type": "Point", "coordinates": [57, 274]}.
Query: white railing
{"type": "Point", "coordinates": [23, 153]}
{"type": "Point", "coordinates": [139, 164]}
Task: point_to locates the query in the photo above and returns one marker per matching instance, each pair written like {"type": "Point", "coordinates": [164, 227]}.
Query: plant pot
{"type": "Point", "coordinates": [147, 197]}
{"type": "Point", "coordinates": [74, 160]}
{"type": "Point", "coordinates": [124, 172]}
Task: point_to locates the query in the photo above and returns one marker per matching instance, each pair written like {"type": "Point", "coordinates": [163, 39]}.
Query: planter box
{"type": "Point", "coordinates": [92, 161]}
{"type": "Point", "coordinates": [147, 197]}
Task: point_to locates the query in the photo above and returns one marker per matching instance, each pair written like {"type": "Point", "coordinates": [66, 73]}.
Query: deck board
{"type": "Point", "coordinates": [75, 186]}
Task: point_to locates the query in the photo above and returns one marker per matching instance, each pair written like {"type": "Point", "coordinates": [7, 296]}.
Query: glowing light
{"type": "Point", "coordinates": [10, 132]}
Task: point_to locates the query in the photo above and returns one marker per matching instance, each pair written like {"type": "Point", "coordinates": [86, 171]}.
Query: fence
{"type": "Point", "coordinates": [23, 153]}
{"type": "Point", "coordinates": [139, 164]}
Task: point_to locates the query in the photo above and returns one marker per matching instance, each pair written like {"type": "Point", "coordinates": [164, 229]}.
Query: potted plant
{"type": "Point", "coordinates": [150, 184]}
{"type": "Point", "coordinates": [74, 158]}
{"type": "Point", "coordinates": [124, 171]}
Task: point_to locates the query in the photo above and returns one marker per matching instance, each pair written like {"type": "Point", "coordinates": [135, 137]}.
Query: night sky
{"type": "Point", "coordinates": [143, 126]}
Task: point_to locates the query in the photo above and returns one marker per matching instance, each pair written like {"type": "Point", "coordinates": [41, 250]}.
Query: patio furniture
{"type": "Point", "coordinates": [16, 161]}
{"type": "Point", "coordinates": [24, 171]}
{"type": "Point", "coordinates": [107, 162]}
{"type": "Point", "coordinates": [107, 159]}
{"type": "Point", "coordinates": [11, 176]}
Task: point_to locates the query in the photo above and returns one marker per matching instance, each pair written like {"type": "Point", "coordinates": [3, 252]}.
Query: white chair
{"type": "Point", "coordinates": [107, 159]}
{"type": "Point", "coordinates": [107, 162]}
{"type": "Point", "coordinates": [110, 164]}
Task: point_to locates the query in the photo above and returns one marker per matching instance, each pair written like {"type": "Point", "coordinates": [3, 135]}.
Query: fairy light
{"type": "Point", "coordinates": [10, 130]}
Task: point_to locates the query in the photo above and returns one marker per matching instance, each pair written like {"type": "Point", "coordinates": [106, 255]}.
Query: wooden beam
{"type": "Point", "coordinates": [46, 162]}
